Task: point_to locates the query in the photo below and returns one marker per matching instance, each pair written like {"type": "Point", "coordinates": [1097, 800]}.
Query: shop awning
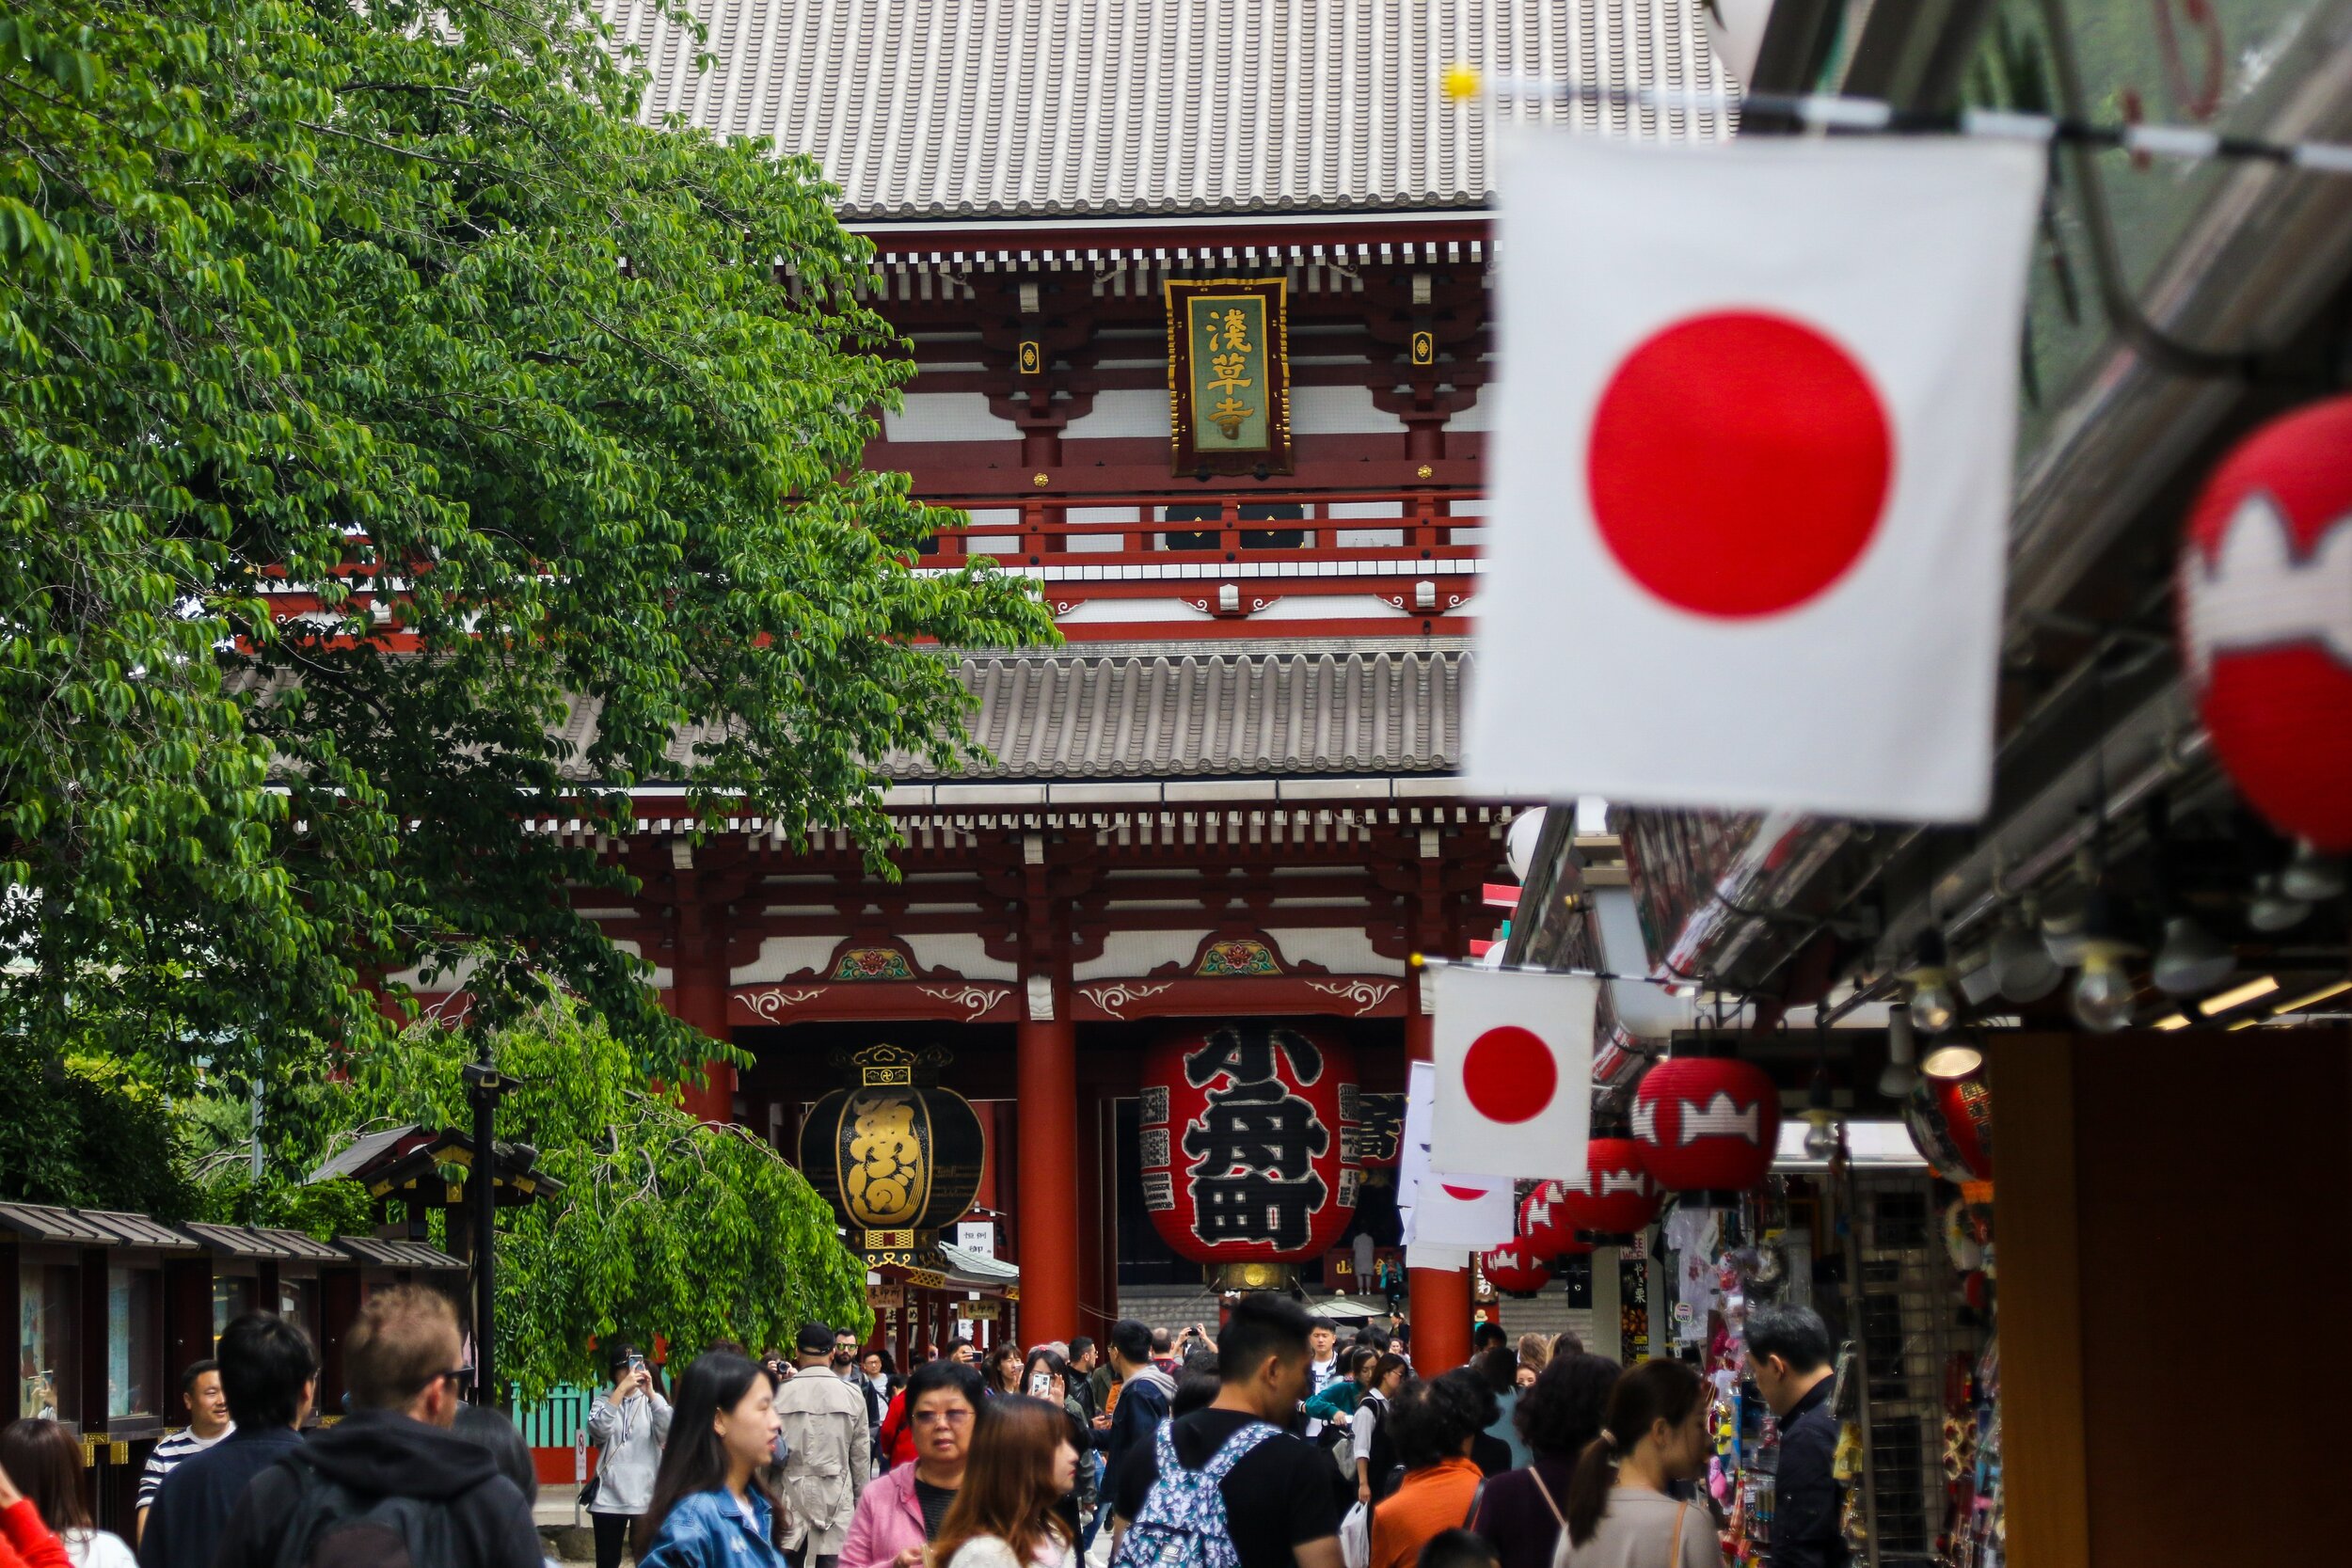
{"type": "Point", "coordinates": [38, 1222]}
{"type": "Point", "coordinates": [100, 1228]}
{"type": "Point", "coordinates": [384, 1252]}
{"type": "Point", "coordinates": [246, 1241]}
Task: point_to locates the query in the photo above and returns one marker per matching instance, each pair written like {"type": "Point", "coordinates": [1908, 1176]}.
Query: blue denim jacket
{"type": "Point", "coordinates": [706, 1531]}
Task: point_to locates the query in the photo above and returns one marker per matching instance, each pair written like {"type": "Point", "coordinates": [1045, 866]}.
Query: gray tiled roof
{"type": "Point", "coordinates": [967, 108]}
{"type": "Point", "coordinates": [1112, 712]}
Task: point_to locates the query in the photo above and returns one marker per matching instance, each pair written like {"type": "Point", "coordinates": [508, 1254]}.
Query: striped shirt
{"type": "Point", "coordinates": [184, 1443]}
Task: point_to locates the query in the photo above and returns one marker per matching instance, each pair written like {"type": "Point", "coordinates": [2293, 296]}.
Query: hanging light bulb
{"type": "Point", "coordinates": [1933, 1005]}
{"type": "Point", "coordinates": [2063, 923]}
{"type": "Point", "coordinates": [1821, 1115]}
{"type": "Point", "coordinates": [1953, 1058]}
{"type": "Point", "coordinates": [2311, 877]}
{"type": "Point", "coordinates": [2023, 969]}
{"type": "Point", "coordinates": [2103, 993]}
{"type": "Point", "coordinates": [1902, 1053]}
{"type": "Point", "coordinates": [2191, 959]}
{"type": "Point", "coordinates": [2272, 909]}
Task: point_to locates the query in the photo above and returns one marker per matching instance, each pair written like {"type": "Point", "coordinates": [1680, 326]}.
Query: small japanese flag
{"type": "Point", "coordinates": [1442, 1209]}
{"type": "Point", "coordinates": [1751, 473]}
{"type": "Point", "coordinates": [1514, 1071]}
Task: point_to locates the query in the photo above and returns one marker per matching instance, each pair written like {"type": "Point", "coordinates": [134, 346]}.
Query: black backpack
{"type": "Point", "coordinates": [330, 1526]}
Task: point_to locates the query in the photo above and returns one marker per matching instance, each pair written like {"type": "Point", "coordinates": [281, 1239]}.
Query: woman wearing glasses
{"type": "Point", "coordinates": [902, 1510]}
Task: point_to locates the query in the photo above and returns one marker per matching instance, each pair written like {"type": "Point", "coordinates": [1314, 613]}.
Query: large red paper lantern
{"type": "Point", "coordinates": [1243, 1133]}
{"type": "Point", "coordinates": [1544, 1226]}
{"type": "Point", "coordinates": [1515, 1268]}
{"type": "Point", "coordinates": [1950, 1120]}
{"type": "Point", "coordinates": [2265, 620]}
{"type": "Point", "coordinates": [1706, 1124]}
{"type": "Point", "coordinates": [1615, 1195]}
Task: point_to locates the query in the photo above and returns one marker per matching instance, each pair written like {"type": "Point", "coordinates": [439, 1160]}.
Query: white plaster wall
{"type": "Point", "coordinates": [961, 951]}
{"type": "Point", "coordinates": [945, 416]}
{"type": "Point", "coordinates": [782, 955]}
{"type": "Point", "coordinates": [1123, 412]}
{"type": "Point", "coordinates": [1339, 411]}
{"type": "Point", "coordinates": [1340, 949]}
{"type": "Point", "coordinates": [1133, 953]}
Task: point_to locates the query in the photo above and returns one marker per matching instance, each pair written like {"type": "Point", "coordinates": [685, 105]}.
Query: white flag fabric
{"type": "Point", "coordinates": [1751, 473]}
{"type": "Point", "coordinates": [1513, 1070]}
{"type": "Point", "coordinates": [1441, 1210]}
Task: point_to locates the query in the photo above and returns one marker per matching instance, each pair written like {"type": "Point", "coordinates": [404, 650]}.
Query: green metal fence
{"type": "Point", "coordinates": [553, 1422]}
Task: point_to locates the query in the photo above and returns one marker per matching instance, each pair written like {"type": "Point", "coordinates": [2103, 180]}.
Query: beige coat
{"type": "Point", "coordinates": [827, 1459]}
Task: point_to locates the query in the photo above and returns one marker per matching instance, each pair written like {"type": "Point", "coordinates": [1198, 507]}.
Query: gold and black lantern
{"type": "Point", "coordinates": [898, 1156]}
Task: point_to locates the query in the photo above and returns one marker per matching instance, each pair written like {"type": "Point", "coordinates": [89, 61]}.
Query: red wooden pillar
{"type": "Point", "coordinates": [698, 995]}
{"type": "Point", "coordinates": [1045, 1192]}
{"type": "Point", "coordinates": [1440, 1298]}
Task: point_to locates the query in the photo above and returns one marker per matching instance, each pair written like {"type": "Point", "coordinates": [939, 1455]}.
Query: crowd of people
{"type": "Point", "coordinates": [1266, 1445]}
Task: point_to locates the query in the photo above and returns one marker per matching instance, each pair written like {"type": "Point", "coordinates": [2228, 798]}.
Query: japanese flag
{"type": "Point", "coordinates": [1514, 1071]}
{"type": "Point", "coordinates": [1440, 1208]}
{"type": "Point", "coordinates": [1751, 473]}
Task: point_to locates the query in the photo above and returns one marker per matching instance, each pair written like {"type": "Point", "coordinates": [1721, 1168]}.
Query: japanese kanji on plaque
{"type": "Point", "coordinates": [1229, 375]}
{"type": "Point", "coordinates": [1244, 1140]}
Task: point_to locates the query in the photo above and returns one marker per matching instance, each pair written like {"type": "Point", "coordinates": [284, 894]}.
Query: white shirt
{"type": "Point", "coordinates": [992, 1552]}
{"type": "Point", "coordinates": [96, 1549]}
{"type": "Point", "coordinates": [1319, 1376]}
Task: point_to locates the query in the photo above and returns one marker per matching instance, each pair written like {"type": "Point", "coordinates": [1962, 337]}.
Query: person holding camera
{"type": "Point", "coordinates": [629, 1425]}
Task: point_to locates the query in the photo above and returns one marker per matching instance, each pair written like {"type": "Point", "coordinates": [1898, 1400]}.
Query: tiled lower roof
{"type": "Point", "coordinates": [1112, 711]}
{"type": "Point", "coordinates": [1034, 108]}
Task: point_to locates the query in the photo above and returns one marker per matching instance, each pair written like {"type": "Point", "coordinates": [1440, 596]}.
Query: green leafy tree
{"type": "Point", "coordinates": [389, 314]}
{"type": "Point", "coordinates": [665, 1225]}
{"type": "Point", "coordinates": [87, 1132]}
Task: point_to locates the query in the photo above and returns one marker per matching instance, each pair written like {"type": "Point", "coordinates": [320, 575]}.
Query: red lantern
{"type": "Point", "coordinates": [1515, 1268]}
{"type": "Point", "coordinates": [1615, 1195]}
{"type": "Point", "coordinates": [1544, 1227]}
{"type": "Point", "coordinates": [2265, 620]}
{"type": "Point", "coordinates": [1950, 1120]}
{"type": "Point", "coordinates": [1242, 1141]}
{"type": "Point", "coordinates": [1706, 1124]}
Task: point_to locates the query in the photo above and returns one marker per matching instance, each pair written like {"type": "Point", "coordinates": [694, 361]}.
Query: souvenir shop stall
{"type": "Point", "coordinates": [1885, 1228]}
{"type": "Point", "coordinates": [1711, 1207]}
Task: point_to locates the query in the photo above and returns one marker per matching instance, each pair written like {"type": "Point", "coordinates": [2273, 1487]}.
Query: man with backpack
{"type": "Point", "coordinates": [1227, 1487]}
{"type": "Point", "coordinates": [1143, 1392]}
{"type": "Point", "coordinates": [390, 1486]}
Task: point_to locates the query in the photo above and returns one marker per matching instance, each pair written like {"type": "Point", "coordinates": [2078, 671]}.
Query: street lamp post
{"type": "Point", "coordinates": [484, 1086]}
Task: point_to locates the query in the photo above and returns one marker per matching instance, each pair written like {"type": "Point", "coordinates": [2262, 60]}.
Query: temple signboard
{"type": "Point", "coordinates": [1228, 376]}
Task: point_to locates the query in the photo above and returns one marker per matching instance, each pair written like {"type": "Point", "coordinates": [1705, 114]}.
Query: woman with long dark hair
{"type": "Point", "coordinates": [1619, 1514]}
{"type": "Point", "coordinates": [1004, 1515]}
{"type": "Point", "coordinates": [1520, 1512]}
{"type": "Point", "coordinates": [45, 1463]}
{"type": "Point", "coordinates": [706, 1511]}
{"type": "Point", "coordinates": [1000, 1369]}
{"type": "Point", "coordinates": [1370, 1445]}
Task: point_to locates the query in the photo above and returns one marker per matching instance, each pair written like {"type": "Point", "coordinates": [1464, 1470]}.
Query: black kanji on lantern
{"type": "Point", "coordinates": [1248, 1207]}
{"type": "Point", "coordinates": [1260, 1127]}
{"type": "Point", "coordinates": [1246, 1057]}
{"type": "Point", "coordinates": [1254, 1148]}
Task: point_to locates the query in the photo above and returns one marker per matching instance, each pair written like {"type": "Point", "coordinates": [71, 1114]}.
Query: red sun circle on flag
{"type": "Point", "coordinates": [1739, 464]}
{"type": "Point", "coordinates": [1466, 1194]}
{"type": "Point", "coordinates": [1509, 1075]}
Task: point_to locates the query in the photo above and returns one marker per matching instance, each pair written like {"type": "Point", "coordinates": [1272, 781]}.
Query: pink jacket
{"type": "Point", "coordinates": [888, 1520]}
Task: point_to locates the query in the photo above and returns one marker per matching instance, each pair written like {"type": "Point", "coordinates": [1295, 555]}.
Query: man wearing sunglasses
{"type": "Point", "coordinates": [391, 1476]}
